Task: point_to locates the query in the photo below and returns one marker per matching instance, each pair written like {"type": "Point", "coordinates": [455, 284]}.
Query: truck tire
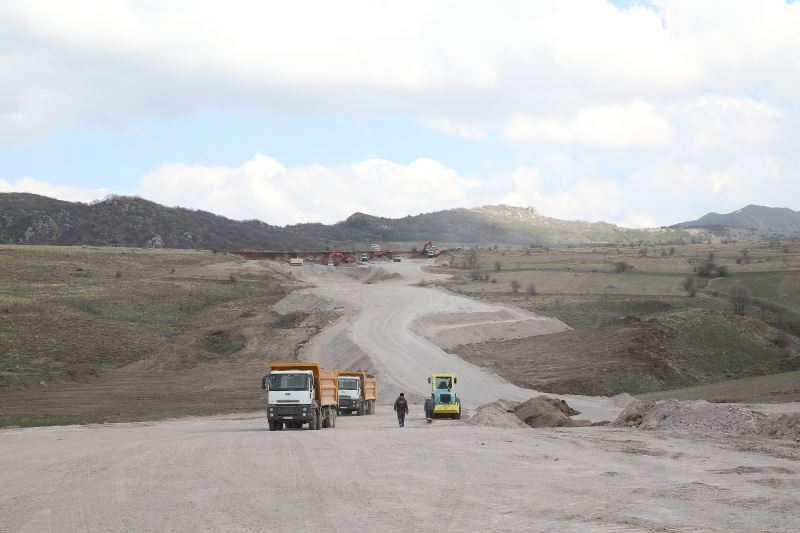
{"type": "Point", "coordinates": [335, 416]}
{"type": "Point", "coordinates": [360, 411]}
{"type": "Point", "coordinates": [319, 419]}
{"type": "Point", "coordinates": [327, 418]}
{"type": "Point", "coordinates": [372, 407]}
{"type": "Point", "coordinates": [272, 425]}
{"type": "Point", "coordinates": [457, 416]}
{"type": "Point", "coordinates": [312, 424]}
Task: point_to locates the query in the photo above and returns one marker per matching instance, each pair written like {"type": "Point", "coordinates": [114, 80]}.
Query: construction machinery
{"type": "Point", "coordinates": [337, 258]}
{"type": "Point", "coordinates": [445, 401]}
{"type": "Point", "coordinates": [357, 392]}
{"type": "Point", "coordinates": [429, 250]}
{"type": "Point", "coordinates": [301, 393]}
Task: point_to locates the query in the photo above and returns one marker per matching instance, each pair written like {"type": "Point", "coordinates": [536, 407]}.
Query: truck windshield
{"type": "Point", "coordinates": [442, 383]}
{"type": "Point", "coordinates": [288, 382]}
{"type": "Point", "coordinates": [348, 384]}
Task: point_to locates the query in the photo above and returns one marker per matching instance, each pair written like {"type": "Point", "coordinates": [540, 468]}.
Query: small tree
{"type": "Point", "coordinates": [232, 279]}
{"type": "Point", "coordinates": [690, 285]}
{"type": "Point", "coordinates": [671, 250]}
{"type": "Point", "coordinates": [472, 258]}
{"type": "Point", "coordinates": [531, 290]}
{"type": "Point", "coordinates": [739, 298]}
{"type": "Point", "coordinates": [515, 286]}
{"type": "Point", "coordinates": [498, 266]}
{"type": "Point", "coordinates": [744, 257]}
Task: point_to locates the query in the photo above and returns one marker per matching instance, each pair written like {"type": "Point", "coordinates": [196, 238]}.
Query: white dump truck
{"type": "Point", "coordinates": [357, 392]}
{"type": "Point", "coordinates": [301, 393]}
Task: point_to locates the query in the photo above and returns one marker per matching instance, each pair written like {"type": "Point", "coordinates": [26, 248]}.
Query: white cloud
{"type": "Point", "coordinates": [62, 192]}
{"type": "Point", "coordinates": [637, 125]}
{"type": "Point", "coordinates": [264, 189]}
{"type": "Point", "coordinates": [464, 67]}
{"type": "Point", "coordinates": [567, 199]}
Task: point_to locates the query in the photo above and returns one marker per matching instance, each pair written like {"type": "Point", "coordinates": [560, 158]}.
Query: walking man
{"type": "Point", "coordinates": [429, 404]}
{"type": "Point", "coordinates": [401, 406]}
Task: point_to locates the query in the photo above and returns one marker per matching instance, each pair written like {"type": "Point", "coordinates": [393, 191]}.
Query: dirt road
{"type": "Point", "coordinates": [229, 474]}
{"type": "Point", "coordinates": [390, 324]}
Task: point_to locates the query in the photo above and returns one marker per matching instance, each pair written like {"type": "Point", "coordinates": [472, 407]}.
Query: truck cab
{"type": "Point", "coordinates": [290, 398]}
{"type": "Point", "coordinates": [350, 396]}
{"type": "Point", "coordinates": [445, 400]}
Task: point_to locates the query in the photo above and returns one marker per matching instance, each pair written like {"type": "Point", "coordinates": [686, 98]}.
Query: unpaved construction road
{"type": "Point", "coordinates": [392, 323]}
{"type": "Point", "coordinates": [228, 473]}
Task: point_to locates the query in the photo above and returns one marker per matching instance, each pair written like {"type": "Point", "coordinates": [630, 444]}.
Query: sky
{"type": "Point", "coordinates": [638, 113]}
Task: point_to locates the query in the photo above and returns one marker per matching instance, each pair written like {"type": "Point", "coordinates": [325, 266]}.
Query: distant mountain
{"type": "Point", "coordinates": [131, 221]}
{"type": "Point", "coordinates": [751, 217]}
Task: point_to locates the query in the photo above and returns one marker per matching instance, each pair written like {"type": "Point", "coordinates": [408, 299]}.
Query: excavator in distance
{"type": "Point", "coordinates": [429, 250]}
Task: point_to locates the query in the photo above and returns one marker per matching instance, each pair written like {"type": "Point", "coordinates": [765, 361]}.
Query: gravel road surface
{"type": "Point", "coordinates": [229, 474]}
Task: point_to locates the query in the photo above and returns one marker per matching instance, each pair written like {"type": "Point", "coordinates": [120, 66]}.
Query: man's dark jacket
{"type": "Point", "coordinates": [401, 405]}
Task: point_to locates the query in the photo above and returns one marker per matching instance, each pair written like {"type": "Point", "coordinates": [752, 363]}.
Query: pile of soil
{"type": "Point", "coordinates": [539, 412]}
{"type": "Point", "coordinates": [497, 415]}
{"type": "Point", "coordinates": [300, 301]}
{"type": "Point", "coordinates": [379, 274]}
{"type": "Point", "coordinates": [708, 418]}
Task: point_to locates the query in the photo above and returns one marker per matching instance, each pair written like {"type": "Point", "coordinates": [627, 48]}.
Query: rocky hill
{"type": "Point", "coordinates": [132, 221]}
{"type": "Point", "coordinates": [751, 217]}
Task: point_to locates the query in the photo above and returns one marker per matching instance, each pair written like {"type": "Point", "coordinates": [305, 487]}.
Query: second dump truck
{"type": "Point", "coordinates": [357, 392]}
{"type": "Point", "coordinates": [301, 393]}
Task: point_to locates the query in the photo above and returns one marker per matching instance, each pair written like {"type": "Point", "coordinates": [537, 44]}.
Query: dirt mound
{"type": "Point", "coordinates": [379, 274]}
{"type": "Point", "coordinates": [787, 427]}
{"type": "Point", "coordinates": [539, 412]}
{"type": "Point", "coordinates": [708, 418]}
{"type": "Point", "coordinates": [544, 412]}
{"type": "Point", "coordinates": [497, 415]}
{"type": "Point", "coordinates": [300, 301]}
{"type": "Point", "coordinates": [622, 400]}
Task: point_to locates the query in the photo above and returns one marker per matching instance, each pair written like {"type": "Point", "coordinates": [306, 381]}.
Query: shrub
{"type": "Point", "coordinates": [622, 267]}
{"type": "Point", "coordinates": [515, 286]}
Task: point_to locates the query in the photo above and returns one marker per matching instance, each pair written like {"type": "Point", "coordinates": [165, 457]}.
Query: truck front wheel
{"type": "Point", "coordinates": [271, 424]}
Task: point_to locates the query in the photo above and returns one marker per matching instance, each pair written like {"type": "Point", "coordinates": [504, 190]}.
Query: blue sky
{"type": "Point", "coordinates": [94, 157]}
{"type": "Point", "coordinates": [639, 113]}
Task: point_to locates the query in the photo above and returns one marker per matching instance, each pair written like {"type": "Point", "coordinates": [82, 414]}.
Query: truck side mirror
{"type": "Point", "coordinates": [264, 383]}
{"type": "Point", "coordinates": [455, 380]}
{"type": "Point", "coordinates": [429, 380]}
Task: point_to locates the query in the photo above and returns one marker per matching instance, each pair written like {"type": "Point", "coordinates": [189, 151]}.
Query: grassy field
{"type": "Point", "coordinates": [597, 287]}
{"type": "Point", "coordinates": [68, 312]}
